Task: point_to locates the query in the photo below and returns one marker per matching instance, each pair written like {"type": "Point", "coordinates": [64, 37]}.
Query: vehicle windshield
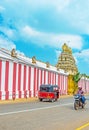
{"type": "Point", "coordinates": [48, 88]}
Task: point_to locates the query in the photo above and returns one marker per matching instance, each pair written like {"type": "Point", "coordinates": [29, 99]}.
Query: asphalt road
{"type": "Point", "coordinates": [37, 115]}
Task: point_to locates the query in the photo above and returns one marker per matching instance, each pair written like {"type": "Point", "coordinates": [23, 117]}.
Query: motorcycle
{"type": "Point", "coordinates": [78, 102]}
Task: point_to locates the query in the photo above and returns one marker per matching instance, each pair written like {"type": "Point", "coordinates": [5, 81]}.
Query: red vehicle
{"type": "Point", "coordinates": [48, 92]}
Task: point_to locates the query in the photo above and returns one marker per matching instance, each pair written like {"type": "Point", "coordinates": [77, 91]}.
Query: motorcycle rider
{"type": "Point", "coordinates": [81, 93]}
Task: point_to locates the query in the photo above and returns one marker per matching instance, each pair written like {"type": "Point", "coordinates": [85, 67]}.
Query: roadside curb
{"type": "Point", "coordinates": [24, 100]}
{"type": "Point", "coordinates": [31, 99]}
{"type": "Point", "coordinates": [66, 96]}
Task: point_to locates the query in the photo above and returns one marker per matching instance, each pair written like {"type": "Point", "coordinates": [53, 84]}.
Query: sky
{"type": "Point", "coordinates": [40, 27]}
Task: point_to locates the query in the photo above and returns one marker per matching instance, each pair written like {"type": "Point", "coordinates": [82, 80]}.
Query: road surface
{"type": "Point", "coordinates": [37, 115]}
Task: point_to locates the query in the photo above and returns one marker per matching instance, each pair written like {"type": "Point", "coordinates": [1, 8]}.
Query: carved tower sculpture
{"type": "Point", "coordinates": [66, 62]}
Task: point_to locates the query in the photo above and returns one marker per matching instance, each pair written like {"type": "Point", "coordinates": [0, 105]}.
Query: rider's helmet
{"type": "Point", "coordinates": [80, 88]}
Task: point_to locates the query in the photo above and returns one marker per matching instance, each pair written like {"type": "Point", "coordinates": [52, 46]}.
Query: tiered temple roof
{"type": "Point", "coordinates": [66, 60]}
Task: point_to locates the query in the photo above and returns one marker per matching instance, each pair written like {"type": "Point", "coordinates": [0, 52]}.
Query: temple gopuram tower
{"type": "Point", "coordinates": [66, 60]}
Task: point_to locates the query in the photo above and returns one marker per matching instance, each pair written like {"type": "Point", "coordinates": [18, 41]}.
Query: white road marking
{"type": "Point", "coordinates": [34, 109]}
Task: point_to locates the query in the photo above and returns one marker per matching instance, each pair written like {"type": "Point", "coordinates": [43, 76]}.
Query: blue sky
{"type": "Point", "coordinates": [40, 28]}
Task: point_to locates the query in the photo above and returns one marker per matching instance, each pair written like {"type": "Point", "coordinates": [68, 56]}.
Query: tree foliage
{"type": "Point", "coordinates": [77, 77]}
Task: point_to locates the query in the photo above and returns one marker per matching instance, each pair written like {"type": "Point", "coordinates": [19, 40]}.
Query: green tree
{"type": "Point", "coordinates": [76, 78]}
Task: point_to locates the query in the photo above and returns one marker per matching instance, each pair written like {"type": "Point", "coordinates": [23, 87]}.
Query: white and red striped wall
{"type": "Point", "coordinates": [18, 80]}
{"type": "Point", "coordinates": [84, 83]}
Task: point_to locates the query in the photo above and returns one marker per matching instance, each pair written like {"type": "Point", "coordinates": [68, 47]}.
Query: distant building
{"type": "Point", "coordinates": [66, 60]}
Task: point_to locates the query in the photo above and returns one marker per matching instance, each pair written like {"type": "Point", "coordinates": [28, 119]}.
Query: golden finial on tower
{"type": "Point", "coordinates": [65, 47]}
{"type": "Point", "coordinates": [13, 53]}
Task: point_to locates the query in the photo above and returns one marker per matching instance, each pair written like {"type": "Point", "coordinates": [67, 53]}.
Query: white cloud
{"type": "Point", "coordinates": [1, 8]}
{"type": "Point", "coordinates": [9, 32]}
{"type": "Point", "coordinates": [5, 43]}
{"type": "Point", "coordinates": [42, 4]}
{"type": "Point", "coordinates": [19, 52]}
{"type": "Point", "coordinates": [54, 40]}
{"type": "Point", "coordinates": [82, 55]}
{"type": "Point", "coordinates": [60, 5]}
{"type": "Point", "coordinates": [77, 16]}
{"type": "Point", "coordinates": [73, 12]}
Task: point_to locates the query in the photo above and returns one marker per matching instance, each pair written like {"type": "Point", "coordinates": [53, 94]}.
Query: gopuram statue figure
{"type": "Point", "coordinates": [34, 60]}
{"type": "Point", "coordinates": [13, 53]}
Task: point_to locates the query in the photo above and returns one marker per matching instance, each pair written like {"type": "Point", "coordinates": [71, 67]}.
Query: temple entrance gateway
{"type": "Point", "coordinates": [67, 62]}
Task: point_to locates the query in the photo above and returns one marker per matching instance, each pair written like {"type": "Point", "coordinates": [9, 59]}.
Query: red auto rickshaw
{"type": "Point", "coordinates": [48, 92]}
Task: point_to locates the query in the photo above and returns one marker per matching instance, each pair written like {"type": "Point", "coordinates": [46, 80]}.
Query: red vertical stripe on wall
{"type": "Point", "coordinates": [51, 77]}
{"type": "Point", "coordinates": [55, 78]}
{"type": "Point", "coordinates": [37, 79]}
{"type": "Point", "coordinates": [60, 84]}
{"type": "Point", "coordinates": [0, 73]}
{"type": "Point", "coordinates": [35, 82]}
{"type": "Point", "coordinates": [14, 79]}
{"type": "Point", "coordinates": [19, 80]}
{"type": "Point", "coordinates": [29, 80]}
{"type": "Point", "coordinates": [0, 78]}
{"type": "Point", "coordinates": [6, 80]}
{"type": "Point", "coordinates": [59, 80]}
{"type": "Point", "coordinates": [24, 79]}
{"type": "Point", "coordinates": [48, 77]}
{"type": "Point", "coordinates": [41, 77]}
{"type": "Point", "coordinates": [44, 76]}
{"type": "Point", "coordinates": [63, 83]}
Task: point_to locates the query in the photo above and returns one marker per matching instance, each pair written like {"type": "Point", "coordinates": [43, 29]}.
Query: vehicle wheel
{"type": "Point", "coordinates": [55, 99]}
{"type": "Point", "coordinates": [76, 106]}
{"type": "Point", "coordinates": [83, 105]}
{"type": "Point", "coordinates": [40, 99]}
{"type": "Point", "coordinates": [52, 100]}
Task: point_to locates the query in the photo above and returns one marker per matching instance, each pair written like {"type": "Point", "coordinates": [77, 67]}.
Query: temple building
{"type": "Point", "coordinates": [66, 60]}
{"type": "Point", "coordinates": [21, 76]}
